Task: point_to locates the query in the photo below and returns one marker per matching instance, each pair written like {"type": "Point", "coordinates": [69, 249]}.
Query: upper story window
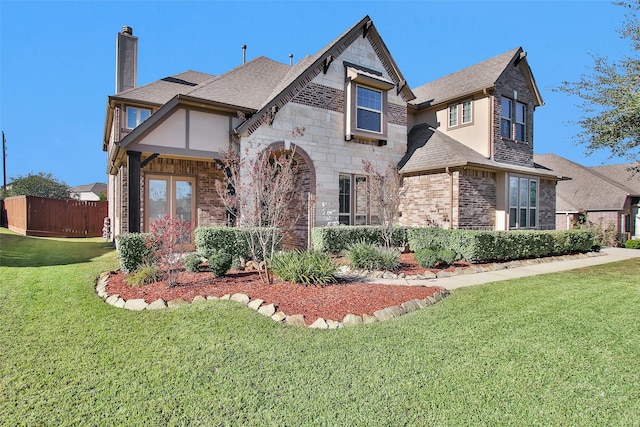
{"type": "Point", "coordinates": [521, 121]}
{"type": "Point", "coordinates": [369, 109]}
{"type": "Point", "coordinates": [506, 122]}
{"type": "Point", "coordinates": [135, 116]}
{"type": "Point", "coordinates": [460, 113]}
{"type": "Point", "coordinates": [366, 104]}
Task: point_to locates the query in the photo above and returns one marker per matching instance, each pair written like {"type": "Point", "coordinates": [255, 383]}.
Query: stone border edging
{"type": "Point", "coordinates": [269, 310]}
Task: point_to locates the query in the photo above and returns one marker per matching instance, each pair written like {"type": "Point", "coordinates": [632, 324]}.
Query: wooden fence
{"type": "Point", "coordinates": [45, 217]}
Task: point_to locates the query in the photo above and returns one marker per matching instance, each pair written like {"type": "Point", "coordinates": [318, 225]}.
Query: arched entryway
{"type": "Point", "coordinates": [299, 236]}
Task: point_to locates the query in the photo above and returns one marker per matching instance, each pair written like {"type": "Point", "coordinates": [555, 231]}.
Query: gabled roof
{"type": "Point", "coordinates": [96, 188]}
{"type": "Point", "coordinates": [473, 79]}
{"type": "Point", "coordinates": [621, 174]}
{"type": "Point", "coordinates": [161, 91]}
{"type": "Point", "coordinates": [587, 190]}
{"type": "Point", "coordinates": [428, 149]}
{"type": "Point", "coordinates": [310, 66]}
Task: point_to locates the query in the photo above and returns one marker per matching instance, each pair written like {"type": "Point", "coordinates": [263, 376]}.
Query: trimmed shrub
{"type": "Point", "coordinates": [220, 263]}
{"type": "Point", "coordinates": [232, 240]}
{"type": "Point", "coordinates": [632, 244]}
{"type": "Point", "coordinates": [338, 239]}
{"type": "Point", "coordinates": [308, 267]}
{"type": "Point", "coordinates": [371, 257]}
{"type": "Point", "coordinates": [145, 274]}
{"type": "Point", "coordinates": [192, 263]}
{"type": "Point", "coordinates": [446, 256]}
{"type": "Point", "coordinates": [134, 249]}
{"type": "Point", "coordinates": [426, 258]}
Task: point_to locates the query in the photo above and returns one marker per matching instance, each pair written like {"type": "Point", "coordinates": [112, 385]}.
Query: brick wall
{"type": "Point", "coordinates": [508, 150]}
{"type": "Point", "coordinates": [477, 199]}
{"type": "Point", "coordinates": [209, 208]}
{"type": "Point", "coordinates": [547, 205]}
{"type": "Point", "coordinates": [427, 200]}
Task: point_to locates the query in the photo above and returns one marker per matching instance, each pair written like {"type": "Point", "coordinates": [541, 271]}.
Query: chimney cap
{"type": "Point", "coordinates": [127, 30]}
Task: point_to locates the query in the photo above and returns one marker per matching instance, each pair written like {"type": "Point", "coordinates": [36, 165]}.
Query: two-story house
{"type": "Point", "coordinates": [464, 144]}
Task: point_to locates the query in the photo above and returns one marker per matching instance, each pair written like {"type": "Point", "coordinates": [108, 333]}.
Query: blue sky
{"type": "Point", "coordinates": [57, 64]}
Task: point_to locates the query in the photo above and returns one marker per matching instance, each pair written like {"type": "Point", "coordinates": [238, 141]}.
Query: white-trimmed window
{"type": "Point", "coordinates": [353, 200]}
{"type": "Point", "coordinates": [368, 109]}
{"type": "Point", "coordinates": [460, 113]}
{"type": "Point", "coordinates": [523, 202]}
{"type": "Point", "coordinates": [506, 122]}
{"type": "Point", "coordinates": [135, 116]}
{"type": "Point", "coordinates": [521, 121]}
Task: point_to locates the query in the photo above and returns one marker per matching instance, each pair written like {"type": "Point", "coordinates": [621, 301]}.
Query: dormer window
{"type": "Point", "coordinates": [366, 104]}
{"type": "Point", "coordinates": [521, 122]}
{"type": "Point", "coordinates": [135, 116]}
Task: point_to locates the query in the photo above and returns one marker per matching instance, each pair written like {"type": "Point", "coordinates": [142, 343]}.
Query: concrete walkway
{"type": "Point", "coordinates": [464, 280]}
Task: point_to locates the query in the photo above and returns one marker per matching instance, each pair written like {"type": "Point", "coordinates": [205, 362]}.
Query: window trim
{"type": "Point", "coordinates": [508, 119]}
{"type": "Point", "coordinates": [138, 116]}
{"type": "Point", "coordinates": [353, 197]}
{"type": "Point", "coordinates": [459, 114]}
{"type": "Point", "coordinates": [523, 123]}
{"type": "Point", "coordinates": [364, 108]}
{"type": "Point", "coordinates": [369, 79]}
{"type": "Point", "coordinates": [531, 212]}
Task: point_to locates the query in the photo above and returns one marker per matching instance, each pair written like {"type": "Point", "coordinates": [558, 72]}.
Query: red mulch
{"type": "Point", "coordinates": [333, 301]}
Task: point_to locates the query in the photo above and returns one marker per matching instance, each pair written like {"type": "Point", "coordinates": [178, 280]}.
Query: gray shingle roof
{"type": "Point", "coordinates": [622, 175]}
{"type": "Point", "coordinates": [587, 190]}
{"type": "Point", "coordinates": [466, 81]}
{"type": "Point", "coordinates": [248, 85]}
{"type": "Point", "coordinates": [429, 149]}
{"type": "Point", "coordinates": [161, 91]}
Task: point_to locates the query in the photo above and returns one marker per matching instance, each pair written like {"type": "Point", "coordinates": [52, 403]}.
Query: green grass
{"type": "Point", "coordinates": [559, 349]}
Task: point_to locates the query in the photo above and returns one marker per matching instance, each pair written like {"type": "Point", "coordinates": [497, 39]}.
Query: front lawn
{"type": "Point", "coordinates": [559, 349]}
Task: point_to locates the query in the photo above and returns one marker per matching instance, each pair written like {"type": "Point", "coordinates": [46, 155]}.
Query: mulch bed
{"type": "Point", "coordinates": [329, 302]}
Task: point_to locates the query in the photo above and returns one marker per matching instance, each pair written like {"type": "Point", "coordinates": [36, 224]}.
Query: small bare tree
{"type": "Point", "coordinates": [169, 237]}
{"type": "Point", "coordinates": [264, 194]}
{"type": "Point", "coordinates": [385, 191]}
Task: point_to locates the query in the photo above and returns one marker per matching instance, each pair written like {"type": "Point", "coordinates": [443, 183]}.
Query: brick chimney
{"type": "Point", "coordinates": [126, 60]}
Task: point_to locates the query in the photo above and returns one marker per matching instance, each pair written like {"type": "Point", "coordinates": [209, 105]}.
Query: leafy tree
{"type": "Point", "coordinates": [611, 97]}
{"type": "Point", "coordinates": [41, 185]}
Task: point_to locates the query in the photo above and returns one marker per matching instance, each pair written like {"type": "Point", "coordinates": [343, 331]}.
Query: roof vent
{"type": "Point", "coordinates": [127, 30]}
{"type": "Point", "coordinates": [291, 59]}
{"type": "Point", "coordinates": [244, 53]}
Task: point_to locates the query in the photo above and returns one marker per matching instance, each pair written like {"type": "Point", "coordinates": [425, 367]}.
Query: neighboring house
{"type": "Point", "coordinates": [89, 191]}
{"type": "Point", "coordinates": [464, 143]}
{"type": "Point", "coordinates": [605, 194]}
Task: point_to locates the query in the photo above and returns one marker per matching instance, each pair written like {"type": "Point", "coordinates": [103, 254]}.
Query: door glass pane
{"type": "Point", "coordinates": [344, 198]}
{"type": "Point", "coordinates": [157, 199]}
{"type": "Point", "coordinates": [361, 200]}
{"type": "Point", "coordinates": [184, 198]}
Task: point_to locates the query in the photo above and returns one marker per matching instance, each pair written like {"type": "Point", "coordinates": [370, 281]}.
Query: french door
{"type": "Point", "coordinates": [169, 195]}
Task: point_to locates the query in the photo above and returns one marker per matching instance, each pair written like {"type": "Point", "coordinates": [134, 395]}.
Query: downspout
{"type": "Point", "coordinates": [448, 171]}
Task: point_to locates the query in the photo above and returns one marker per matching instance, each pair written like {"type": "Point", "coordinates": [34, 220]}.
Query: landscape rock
{"type": "Point", "coordinates": [112, 299]}
{"type": "Point", "coordinates": [198, 298]}
{"type": "Point", "coordinates": [410, 306]}
{"type": "Point", "coordinates": [367, 319]}
{"type": "Point", "coordinates": [241, 298]}
{"type": "Point", "coordinates": [137, 304]}
{"type": "Point", "coordinates": [267, 310]}
{"type": "Point", "coordinates": [226, 297]}
{"type": "Point", "coordinates": [333, 324]}
{"type": "Point", "coordinates": [255, 304]}
{"type": "Point", "coordinates": [295, 320]}
{"type": "Point", "coordinates": [319, 324]}
{"type": "Point", "coordinates": [352, 320]}
{"type": "Point", "coordinates": [157, 304]}
{"type": "Point", "coordinates": [119, 303]}
{"type": "Point", "coordinates": [279, 316]}
{"type": "Point", "coordinates": [212, 298]}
